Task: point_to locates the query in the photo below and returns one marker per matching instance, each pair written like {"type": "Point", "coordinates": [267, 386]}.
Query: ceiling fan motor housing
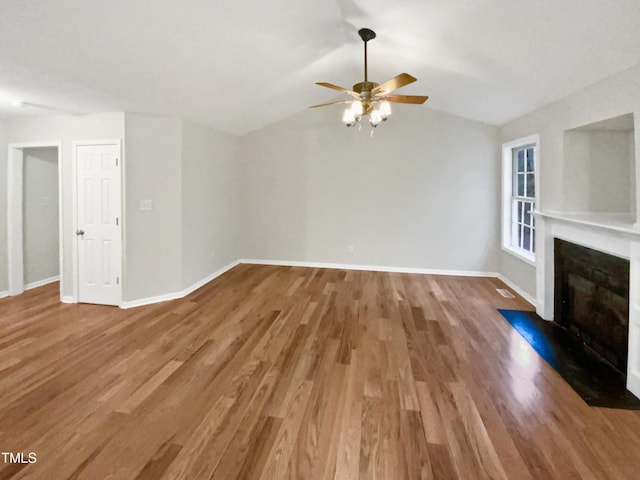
{"type": "Point", "coordinates": [364, 87]}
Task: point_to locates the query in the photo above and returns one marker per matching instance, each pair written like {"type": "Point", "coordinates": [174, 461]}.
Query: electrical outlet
{"type": "Point", "coordinates": [351, 249]}
{"type": "Point", "coordinates": [146, 205]}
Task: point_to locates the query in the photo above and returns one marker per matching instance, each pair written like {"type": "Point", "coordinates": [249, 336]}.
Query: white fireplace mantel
{"type": "Point", "coordinates": [616, 234]}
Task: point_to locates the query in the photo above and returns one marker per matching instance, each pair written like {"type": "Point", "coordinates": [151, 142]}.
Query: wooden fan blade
{"type": "Point", "coordinates": [394, 84]}
{"type": "Point", "coordinates": [330, 103]}
{"type": "Point", "coordinates": [415, 99]}
{"type": "Point", "coordinates": [340, 89]}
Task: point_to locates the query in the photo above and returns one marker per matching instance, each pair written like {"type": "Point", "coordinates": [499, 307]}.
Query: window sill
{"type": "Point", "coordinates": [521, 255]}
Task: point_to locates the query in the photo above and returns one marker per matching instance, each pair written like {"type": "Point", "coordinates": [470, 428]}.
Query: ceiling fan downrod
{"type": "Point", "coordinates": [366, 34]}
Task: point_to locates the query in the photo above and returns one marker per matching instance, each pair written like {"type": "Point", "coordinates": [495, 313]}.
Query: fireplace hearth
{"type": "Point", "coordinates": [592, 299]}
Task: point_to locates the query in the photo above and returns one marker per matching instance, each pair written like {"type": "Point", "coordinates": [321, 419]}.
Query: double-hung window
{"type": "Point", "coordinates": [520, 164]}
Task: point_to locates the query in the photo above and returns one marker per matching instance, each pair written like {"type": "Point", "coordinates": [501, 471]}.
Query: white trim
{"type": "Point", "coordinates": [284, 263]}
{"type": "Point", "coordinates": [15, 252]}
{"type": "Point", "coordinates": [181, 294]}
{"type": "Point", "coordinates": [151, 300]}
{"type": "Point", "coordinates": [41, 283]}
{"type": "Point", "coordinates": [4, 293]}
{"type": "Point", "coordinates": [22, 145]}
{"type": "Point", "coordinates": [100, 141]}
{"type": "Point", "coordinates": [74, 208]}
{"type": "Point", "coordinates": [520, 254]}
{"type": "Point", "coordinates": [123, 210]}
{"type": "Point", "coordinates": [339, 266]}
{"type": "Point", "coordinates": [63, 279]}
{"type": "Point", "coordinates": [507, 190]}
{"type": "Point", "coordinates": [372, 268]}
{"type": "Point", "coordinates": [421, 271]}
{"type": "Point", "coordinates": [74, 224]}
{"type": "Point", "coordinates": [204, 281]}
{"type": "Point", "coordinates": [518, 290]}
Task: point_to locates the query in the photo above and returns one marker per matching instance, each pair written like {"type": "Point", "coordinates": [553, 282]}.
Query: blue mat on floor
{"type": "Point", "coordinates": [596, 381]}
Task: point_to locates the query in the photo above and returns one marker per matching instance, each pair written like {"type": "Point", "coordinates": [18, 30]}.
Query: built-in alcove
{"type": "Point", "coordinates": [599, 168]}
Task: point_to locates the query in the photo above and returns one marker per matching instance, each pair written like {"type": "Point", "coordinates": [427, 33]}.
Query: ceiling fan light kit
{"type": "Point", "coordinates": [369, 98]}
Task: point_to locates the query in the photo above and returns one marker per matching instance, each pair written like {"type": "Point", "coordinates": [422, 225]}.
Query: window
{"type": "Point", "coordinates": [520, 164]}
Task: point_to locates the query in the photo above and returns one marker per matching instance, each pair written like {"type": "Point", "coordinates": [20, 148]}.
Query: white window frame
{"type": "Point", "coordinates": [507, 193]}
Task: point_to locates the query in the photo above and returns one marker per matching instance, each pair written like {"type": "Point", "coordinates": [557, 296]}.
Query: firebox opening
{"type": "Point", "coordinates": [592, 299]}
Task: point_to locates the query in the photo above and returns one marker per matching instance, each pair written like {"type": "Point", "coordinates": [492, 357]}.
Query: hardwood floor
{"type": "Point", "coordinates": [279, 372]}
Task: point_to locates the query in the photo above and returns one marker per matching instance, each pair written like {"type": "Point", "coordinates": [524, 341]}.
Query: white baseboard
{"type": "Point", "coordinates": [422, 271]}
{"type": "Point", "coordinates": [370, 268]}
{"type": "Point", "coordinates": [340, 266]}
{"type": "Point", "coordinates": [182, 293]}
{"type": "Point", "coordinates": [31, 285]}
{"type": "Point", "coordinates": [41, 283]}
{"type": "Point", "coordinates": [206, 280]}
{"type": "Point", "coordinates": [518, 290]}
{"type": "Point", "coordinates": [67, 299]}
{"type": "Point", "coordinates": [151, 300]}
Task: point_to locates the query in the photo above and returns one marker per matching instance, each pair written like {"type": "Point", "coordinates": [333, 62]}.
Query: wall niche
{"type": "Point", "coordinates": [599, 173]}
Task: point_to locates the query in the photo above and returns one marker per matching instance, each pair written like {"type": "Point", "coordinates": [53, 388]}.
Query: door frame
{"type": "Point", "coordinates": [74, 169]}
{"type": "Point", "coordinates": [15, 201]}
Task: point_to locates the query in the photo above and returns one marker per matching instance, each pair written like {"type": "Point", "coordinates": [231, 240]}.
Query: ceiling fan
{"type": "Point", "coordinates": [370, 98]}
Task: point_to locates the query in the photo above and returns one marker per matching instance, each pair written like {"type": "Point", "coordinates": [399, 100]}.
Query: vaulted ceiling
{"type": "Point", "coordinates": [239, 66]}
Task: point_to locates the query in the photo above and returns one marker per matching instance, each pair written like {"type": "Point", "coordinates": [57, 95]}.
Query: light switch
{"type": "Point", "coordinates": [146, 205]}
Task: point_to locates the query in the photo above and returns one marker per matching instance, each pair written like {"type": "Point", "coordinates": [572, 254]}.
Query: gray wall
{"type": "Point", "coordinates": [190, 174]}
{"type": "Point", "coordinates": [210, 212]}
{"type": "Point", "coordinates": [65, 128]}
{"type": "Point", "coordinates": [4, 261]}
{"type": "Point", "coordinates": [40, 215]}
{"type": "Point", "coordinates": [604, 171]}
{"type": "Point", "coordinates": [153, 263]}
{"type": "Point", "coordinates": [612, 97]}
{"type": "Point", "coordinates": [423, 192]}
{"type": "Point", "coordinates": [200, 208]}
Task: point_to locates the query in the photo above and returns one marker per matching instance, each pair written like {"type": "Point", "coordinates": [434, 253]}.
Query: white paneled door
{"type": "Point", "coordinates": [99, 223]}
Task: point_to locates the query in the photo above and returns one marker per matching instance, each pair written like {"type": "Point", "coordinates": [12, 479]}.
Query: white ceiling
{"type": "Point", "coordinates": [238, 66]}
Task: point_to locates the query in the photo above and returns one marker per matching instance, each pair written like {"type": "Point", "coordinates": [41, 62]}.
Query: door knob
{"type": "Point", "coordinates": [79, 232]}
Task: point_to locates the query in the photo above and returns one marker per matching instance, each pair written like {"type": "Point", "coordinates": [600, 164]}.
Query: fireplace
{"type": "Point", "coordinates": [594, 186]}
{"type": "Point", "coordinates": [591, 299]}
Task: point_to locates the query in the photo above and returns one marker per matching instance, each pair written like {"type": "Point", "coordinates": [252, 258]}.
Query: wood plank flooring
{"type": "Point", "coordinates": [296, 373]}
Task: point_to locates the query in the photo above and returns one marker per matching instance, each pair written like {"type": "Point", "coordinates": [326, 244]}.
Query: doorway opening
{"type": "Point", "coordinates": [34, 215]}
